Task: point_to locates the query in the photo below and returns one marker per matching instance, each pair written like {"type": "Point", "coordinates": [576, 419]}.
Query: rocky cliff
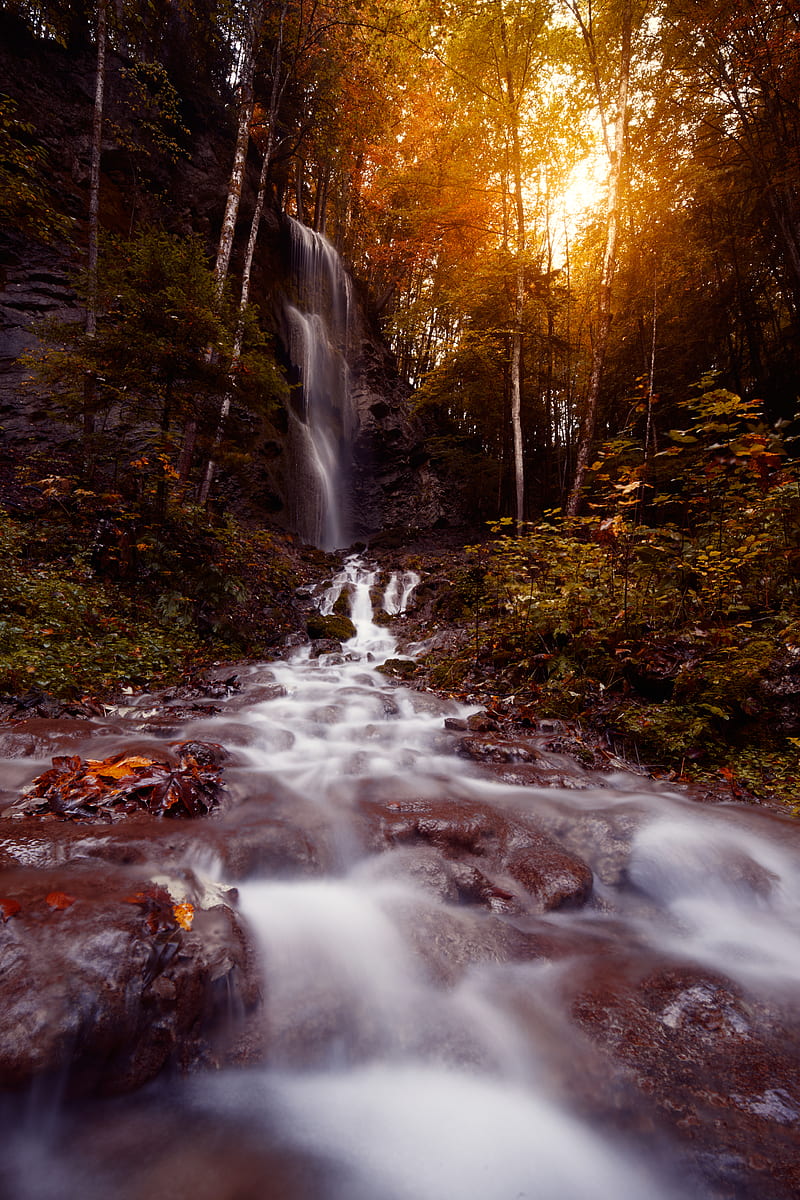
{"type": "Point", "coordinates": [52, 91]}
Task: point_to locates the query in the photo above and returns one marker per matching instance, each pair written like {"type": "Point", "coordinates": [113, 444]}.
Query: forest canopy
{"type": "Point", "coordinates": [567, 214]}
{"type": "Point", "coordinates": [575, 223]}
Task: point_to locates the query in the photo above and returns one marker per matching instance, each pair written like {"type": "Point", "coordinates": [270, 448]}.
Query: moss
{"type": "Point", "coordinates": [333, 627]}
{"type": "Point", "coordinates": [400, 668]}
{"type": "Point", "coordinates": [342, 606]}
{"type": "Point", "coordinates": [151, 603]}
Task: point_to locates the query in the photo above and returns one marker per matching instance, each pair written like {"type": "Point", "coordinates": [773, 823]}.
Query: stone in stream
{"type": "Point", "coordinates": [179, 1150]}
{"type": "Point", "coordinates": [494, 852]}
{"type": "Point", "coordinates": [124, 784]}
{"type": "Point", "coordinates": [497, 750]}
{"type": "Point", "coordinates": [108, 976]}
{"type": "Point", "coordinates": [719, 1069]}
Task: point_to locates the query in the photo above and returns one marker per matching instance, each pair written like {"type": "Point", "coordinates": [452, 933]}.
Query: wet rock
{"type": "Point", "coordinates": [267, 737]}
{"type": "Point", "coordinates": [107, 978]}
{"type": "Point", "coordinates": [321, 646]}
{"type": "Point", "coordinates": [107, 789]}
{"type": "Point", "coordinates": [557, 879]}
{"type": "Point", "coordinates": [42, 736]}
{"type": "Point", "coordinates": [600, 837]}
{"type": "Point", "coordinates": [215, 689]}
{"type": "Point", "coordinates": [720, 1069]}
{"type": "Point", "coordinates": [257, 848]}
{"type": "Point", "coordinates": [496, 750]}
{"type": "Point", "coordinates": [495, 854]}
{"type": "Point", "coordinates": [449, 941]}
{"type": "Point", "coordinates": [429, 704]}
{"type": "Point", "coordinates": [18, 745]}
{"type": "Point", "coordinates": [330, 628]}
{"type": "Point", "coordinates": [399, 668]}
{"type": "Point", "coordinates": [188, 1153]}
{"type": "Point", "coordinates": [264, 693]}
{"type": "Point", "coordinates": [482, 722]}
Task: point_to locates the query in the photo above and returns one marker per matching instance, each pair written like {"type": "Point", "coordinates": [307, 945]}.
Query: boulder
{"type": "Point", "coordinates": [109, 975]}
{"type": "Point", "coordinates": [497, 861]}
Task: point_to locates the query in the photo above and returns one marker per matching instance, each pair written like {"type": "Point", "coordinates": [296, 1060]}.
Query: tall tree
{"type": "Point", "coordinates": [613, 118]}
{"type": "Point", "coordinates": [278, 86]}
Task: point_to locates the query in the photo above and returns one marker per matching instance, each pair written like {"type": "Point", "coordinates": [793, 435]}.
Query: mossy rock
{"type": "Point", "coordinates": [400, 668]}
{"type": "Point", "coordinates": [333, 627]}
{"type": "Point", "coordinates": [342, 606]}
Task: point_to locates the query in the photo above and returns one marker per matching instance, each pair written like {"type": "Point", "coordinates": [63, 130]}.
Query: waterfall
{"type": "Point", "coordinates": [398, 592]}
{"type": "Point", "coordinates": [322, 420]}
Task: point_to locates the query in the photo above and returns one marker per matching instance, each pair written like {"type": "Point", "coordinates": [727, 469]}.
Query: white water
{"type": "Point", "coordinates": [406, 1049]}
{"type": "Point", "coordinates": [322, 426]}
{"type": "Point", "coordinates": [399, 591]}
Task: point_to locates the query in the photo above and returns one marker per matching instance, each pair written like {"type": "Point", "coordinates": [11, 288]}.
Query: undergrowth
{"type": "Point", "coordinates": [95, 595]}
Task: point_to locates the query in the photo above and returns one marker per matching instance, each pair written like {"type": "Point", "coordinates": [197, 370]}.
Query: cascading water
{"type": "Point", "coordinates": [322, 424]}
{"type": "Point", "coordinates": [399, 591]}
{"type": "Point", "coordinates": [427, 1028]}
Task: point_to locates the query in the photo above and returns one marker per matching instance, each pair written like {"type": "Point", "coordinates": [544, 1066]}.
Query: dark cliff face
{"type": "Point", "coordinates": [392, 483]}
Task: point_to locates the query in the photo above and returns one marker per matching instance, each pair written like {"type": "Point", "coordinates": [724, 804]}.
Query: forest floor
{"type": "Point", "coordinates": [97, 599]}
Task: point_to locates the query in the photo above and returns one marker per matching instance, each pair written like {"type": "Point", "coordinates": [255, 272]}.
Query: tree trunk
{"type": "Point", "coordinates": [228, 230]}
{"type": "Point", "coordinates": [519, 290]}
{"type": "Point", "coordinates": [615, 180]}
{"type": "Point", "coordinates": [246, 101]}
{"type": "Point", "coordinates": [247, 268]}
{"type": "Point", "coordinates": [90, 382]}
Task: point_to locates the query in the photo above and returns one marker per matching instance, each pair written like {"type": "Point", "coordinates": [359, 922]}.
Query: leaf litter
{"type": "Point", "coordinates": [125, 784]}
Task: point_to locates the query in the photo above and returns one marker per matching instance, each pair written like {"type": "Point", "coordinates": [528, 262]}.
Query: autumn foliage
{"type": "Point", "coordinates": [119, 786]}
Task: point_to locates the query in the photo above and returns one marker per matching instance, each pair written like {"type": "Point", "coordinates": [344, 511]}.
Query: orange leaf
{"type": "Point", "coordinates": [9, 908]}
{"type": "Point", "coordinates": [184, 915]}
{"type": "Point", "coordinates": [118, 770]}
{"type": "Point", "coordinates": [59, 900]}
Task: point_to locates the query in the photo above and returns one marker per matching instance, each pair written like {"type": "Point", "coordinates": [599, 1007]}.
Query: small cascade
{"type": "Point", "coordinates": [431, 1024]}
{"type": "Point", "coordinates": [360, 582]}
{"type": "Point", "coordinates": [323, 422]}
{"type": "Point", "coordinates": [398, 592]}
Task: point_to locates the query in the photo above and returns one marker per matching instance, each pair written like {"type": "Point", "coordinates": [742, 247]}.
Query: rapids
{"type": "Point", "coordinates": [428, 1031]}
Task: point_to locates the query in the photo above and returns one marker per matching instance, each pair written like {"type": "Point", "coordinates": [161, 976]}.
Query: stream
{"type": "Point", "coordinates": [473, 986]}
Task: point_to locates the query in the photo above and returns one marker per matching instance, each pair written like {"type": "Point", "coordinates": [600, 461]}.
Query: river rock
{"type": "Point", "coordinates": [107, 976]}
{"type": "Point", "coordinates": [496, 749]}
{"type": "Point", "coordinates": [720, 1069]}
{"type": "Point", "coordinates": [494, 853]}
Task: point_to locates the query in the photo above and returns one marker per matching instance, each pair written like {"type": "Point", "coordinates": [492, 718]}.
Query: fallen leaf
{"type": "Point", "coordinates": [59, 900]}
{"type": "Point", "coordinates": [9, 908]}
{"type": "Point", "coordinates": [108, 769]}
{"type": "Point", "coordinates": [184, 915]}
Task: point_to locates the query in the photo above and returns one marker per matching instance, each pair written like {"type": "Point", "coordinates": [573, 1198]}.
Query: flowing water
{"type": "Point", "coordinates": [413, 1049]}
{"type": "Point", "coordinates": [321, 426]}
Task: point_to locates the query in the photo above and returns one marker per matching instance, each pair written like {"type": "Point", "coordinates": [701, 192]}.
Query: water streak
{"type": "Point", "coordinates": [413, 1046]}
{"type": "Point", "coordinates": [323, 422]}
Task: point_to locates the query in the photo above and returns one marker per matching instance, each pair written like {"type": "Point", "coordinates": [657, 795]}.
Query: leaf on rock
{"type": "Point", "coordinates": [59, 900]}
{"type": "Point", "coordinates": [184, 915]}
{"type": "Point", "coordinates": [106, 789]}
{"type": "Point", "coordinates": [109, 769]}
{"type": "Point", "coordinates": [161, 914]}
{"type": "Point", "coordinates": [9, 908]}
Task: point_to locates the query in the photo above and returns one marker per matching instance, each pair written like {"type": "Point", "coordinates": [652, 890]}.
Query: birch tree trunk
{"type": "Point", "coordinates": [246, 103]}
{"type": "Point", "coordinates": [276, 94]}
{"type": "Point", "coordinates": [616, 153]}
{"type": "Point", "coordinates": [228, 230]}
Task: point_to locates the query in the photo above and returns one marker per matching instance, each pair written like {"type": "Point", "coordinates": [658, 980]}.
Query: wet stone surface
{"type": "Point", "coordinates": [432, 954]}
